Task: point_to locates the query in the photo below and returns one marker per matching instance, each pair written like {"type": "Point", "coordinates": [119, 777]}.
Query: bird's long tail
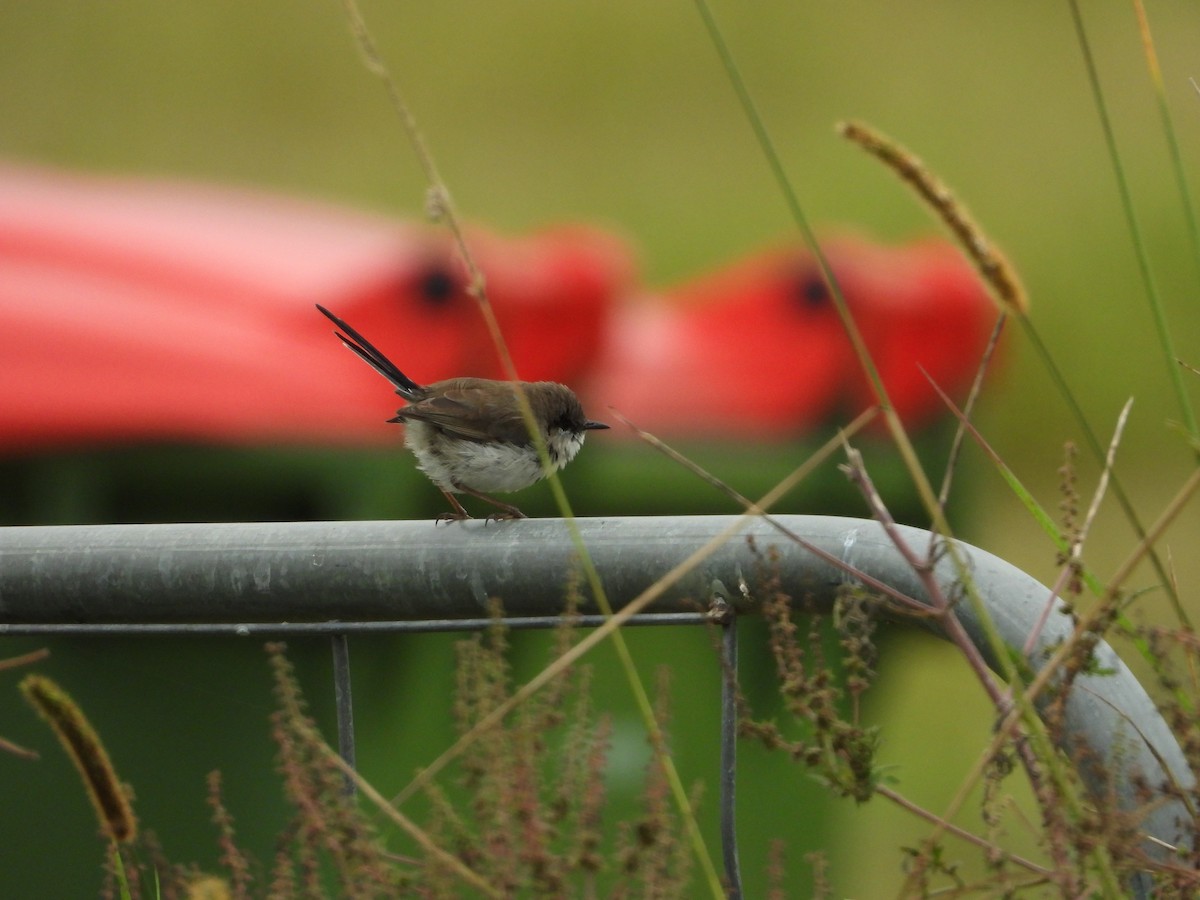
{"type": "Point", "coordinates": [369, 353]}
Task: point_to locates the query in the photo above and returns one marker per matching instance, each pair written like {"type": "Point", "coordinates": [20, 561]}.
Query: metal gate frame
{"type": "Point", "coordinates": [344, 578]}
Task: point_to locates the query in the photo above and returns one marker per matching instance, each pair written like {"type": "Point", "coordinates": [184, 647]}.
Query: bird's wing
{"type": "Point", "coordinates": [465, 412]}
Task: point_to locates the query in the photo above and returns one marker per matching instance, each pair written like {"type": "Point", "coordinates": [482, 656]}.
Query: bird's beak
{"type": "Point", "coordinates": [594, 426]}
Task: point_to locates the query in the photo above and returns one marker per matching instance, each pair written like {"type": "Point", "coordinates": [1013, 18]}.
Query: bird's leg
{"type": "Point", "coordinates": [459, 513]}
{"type": "Point", "coordinates": [509, 511]}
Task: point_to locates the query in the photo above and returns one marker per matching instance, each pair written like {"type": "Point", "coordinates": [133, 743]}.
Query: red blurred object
{"type": "Point", "coordinates": [135, 309]}
{"type": "Point", "coordinates": [757, 351]}
{"type": "Point", "coordinates": [925, 316]}
{"type": "Point", "coordinates": [142, 310]}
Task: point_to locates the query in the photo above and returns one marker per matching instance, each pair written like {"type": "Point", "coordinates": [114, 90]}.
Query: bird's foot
{"type": "Point", "coordinates": [506, 515]}
{"type": "Point", "coordinates": [507, 510]}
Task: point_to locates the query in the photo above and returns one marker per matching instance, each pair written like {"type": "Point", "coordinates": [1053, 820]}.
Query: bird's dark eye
{"type": "Point", "coordinates": [568, 422]}
{"type": "Point", "coordinates": [436, 286]}
{"type": "Point", "coordinates": [811, 290]}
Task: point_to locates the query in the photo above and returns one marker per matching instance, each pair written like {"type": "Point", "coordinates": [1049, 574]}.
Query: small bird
{"type": "Point", "coordinates": [468, 434]}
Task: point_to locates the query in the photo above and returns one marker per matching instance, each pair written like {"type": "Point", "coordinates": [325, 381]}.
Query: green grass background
{"type": "Point", "coordinates": [618, 113]}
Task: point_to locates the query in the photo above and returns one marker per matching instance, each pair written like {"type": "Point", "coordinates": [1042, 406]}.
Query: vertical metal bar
{"type": "Point", "coordinates": [729, 721]}
{"type": "Point", "coordinates": [343, 703]}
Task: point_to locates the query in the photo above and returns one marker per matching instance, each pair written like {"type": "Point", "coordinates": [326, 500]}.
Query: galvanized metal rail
{"type": "Point", "coordinates": [343, 578]}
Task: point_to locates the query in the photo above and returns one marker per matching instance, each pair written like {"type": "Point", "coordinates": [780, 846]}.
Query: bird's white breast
{"type": "Point", "coordinates": [486, 467]}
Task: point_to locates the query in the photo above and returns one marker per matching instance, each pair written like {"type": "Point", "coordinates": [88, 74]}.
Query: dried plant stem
{"type": "Point", "coordinates": [1118, 490]}
{"type": "Point", "coordinates": [960, 432]}
{"type": "Point", "coordinates": [1007, 289]}
{"type": "Point", "coordinates": [590, 640]}
{"type": "Point", "coordinates": [17, 750]}
{"type": "Point", "coordinates": [409, 827]}
{"type": "Point", "coordinates": [232, 857]}
{"type": "Point", "coordinates": [24, 659]}
{"type": "Point", "coordinates": [1074, 556]}
{"type": "Point", "coordinates": [1145, 545]}
{"type": "Point", "coordinates": [567, 659]}
{"type": "Point", "coordinates": [1089, 621]}
{"type": "Point", "coordinates": [1061, 543]}
{"type": "Point", "coordinates": [904, 445]}
{"type": "Point", "coordinates": [1156, 308]}
{"type": "Point", "coordinates": [13, 662]}
{"type": "Point", "coordinates": [923, 567]}
{"type": "Point", "coordinates": [440, 204]}
{"type": "Point", "coordinates": [1053, 664]}
{"type": "Point", "coordinates": [1003, 701]}
{"type": "Point", "coordinates": [950, 828]}
{"type": "Point", "coordinates": [819, 456]}
{"type": "Point", "coordinates": [1033, 746]}
{"type": "Point", "coordinates": [995, 269]}
{"type": "Point", "coordinates": [1102, 484]}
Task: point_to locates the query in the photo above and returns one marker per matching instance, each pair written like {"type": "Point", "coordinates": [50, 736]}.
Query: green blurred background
{"type": "Point", "coordinates": [615, 113]}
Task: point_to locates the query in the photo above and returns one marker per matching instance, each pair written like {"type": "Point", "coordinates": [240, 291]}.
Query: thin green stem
{"type": "Point", "coordinates": [1098, 451]}
{"type": "Point", "coordinates": [1135, 232]}
{"type": "Point", "coordinates": [1168, 126]}
{"type": "Point", "coordinates": [904, 446]}
{"type": "Point", "coordinates": [895, 428]}
{"type": "Point", "coordinates": [442, 208]}
{"type": "Point", "coordinates": [792, 200]}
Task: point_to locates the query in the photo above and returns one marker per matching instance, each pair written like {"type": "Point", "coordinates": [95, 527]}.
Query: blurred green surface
{"type": "Point", "coordinates": [616, 113]}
